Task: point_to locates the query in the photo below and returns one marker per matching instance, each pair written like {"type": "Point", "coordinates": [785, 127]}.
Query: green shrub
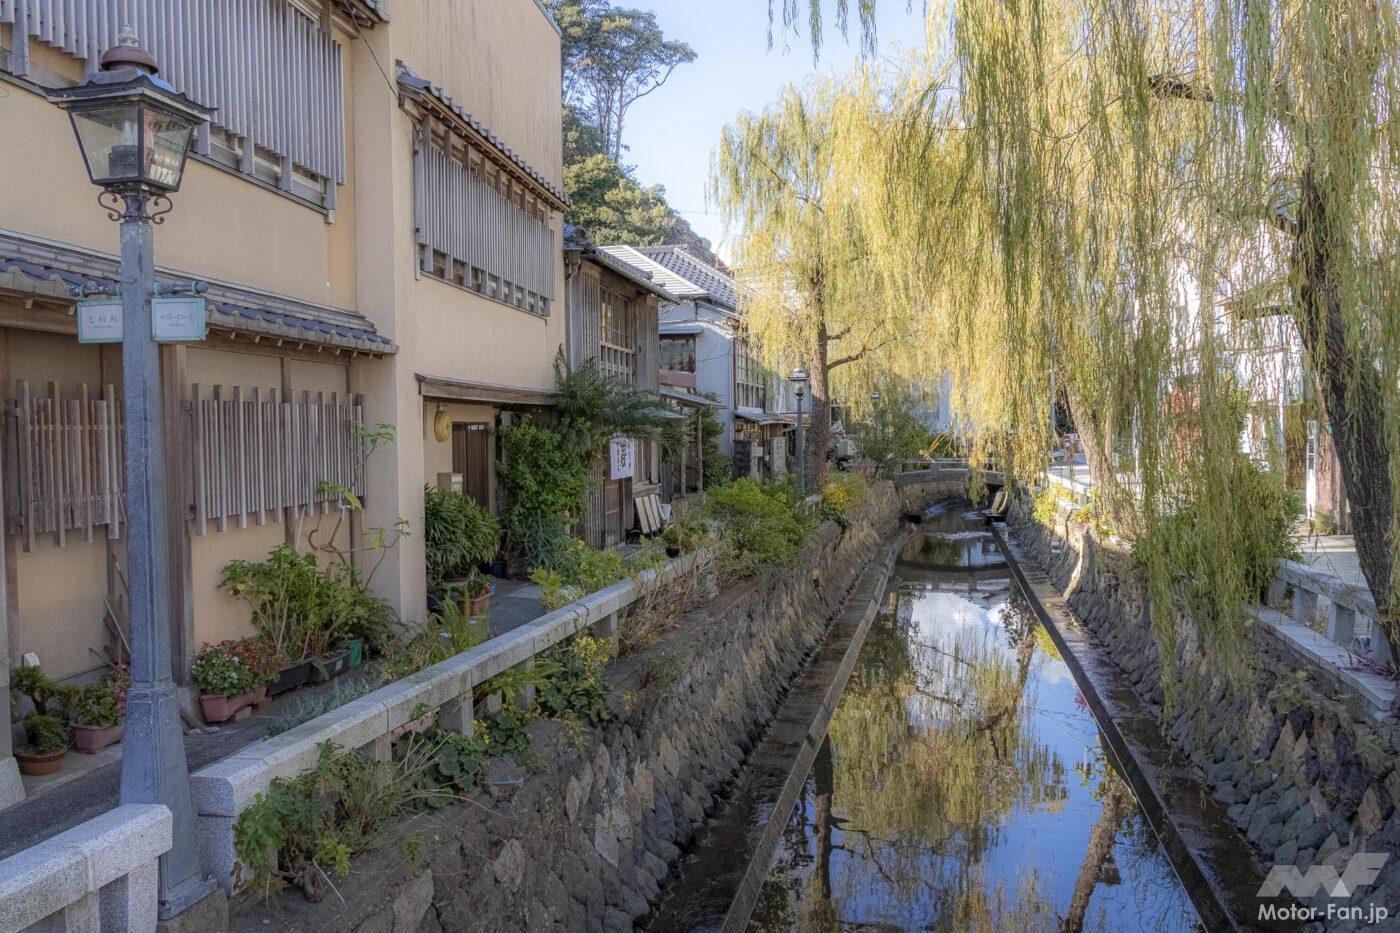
{"type": "Point", "coordinates": [46, 733]}
{"type": "Point", "coordinates": [305, 610]}
{"type": "Point", "coordinates": [50, 698]}
{"type": "Point", "coordinates": [233, 668]}
{"type": "Point", "coordinates": [575, 684]}
{"type": "Point", "coordinates": [545, 484]}
{"type": "Point", "coordinates": [1046, 506]}
{"type": "Point", "coordinates": [458, 533]}
{"type": "Point", "coordinates": [762, 525]}
{"type": "Point", "coordinates": [842, 495]}
{"type": "Point", "coordinates": [302, 830]}
{"type": "Point", "coordinates": [103, 702]}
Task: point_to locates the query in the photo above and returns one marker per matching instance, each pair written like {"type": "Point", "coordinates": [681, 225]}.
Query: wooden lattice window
{"type": "Point", "coordinates": [618, 336]}
{"type": "Point", "coordinates": [478, 228]}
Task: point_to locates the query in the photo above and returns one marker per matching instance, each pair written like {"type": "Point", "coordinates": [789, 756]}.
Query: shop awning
{"type": "Point", "coordinates": [688, 398]}
{"type": "Point", "coordinates": [759, 416]}
{"type": "Point", "coordinates": [491, 393]}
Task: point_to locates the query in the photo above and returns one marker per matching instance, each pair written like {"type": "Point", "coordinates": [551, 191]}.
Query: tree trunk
{"type": "Point", "coordinates": [1116, 806]}
{"type": "Point", "coordinates": [1099, 458]}
{"type": "Point", "coordinates": [819, 424]}
{"type": "Point", "coordinates": [1352, 396]}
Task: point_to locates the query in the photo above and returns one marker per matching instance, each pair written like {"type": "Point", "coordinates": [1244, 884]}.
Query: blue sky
{"type": "Point", "coordinates": [671, 133]}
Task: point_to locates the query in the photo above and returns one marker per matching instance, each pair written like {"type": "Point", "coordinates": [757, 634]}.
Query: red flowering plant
{"type": "Point", "coordinates": [103, 703]}
{"type": "Point", "coordinates": [232, 668]}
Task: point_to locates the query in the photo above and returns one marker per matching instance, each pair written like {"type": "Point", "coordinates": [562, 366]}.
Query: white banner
{"type": "Point", "coordinates": [622, 458]}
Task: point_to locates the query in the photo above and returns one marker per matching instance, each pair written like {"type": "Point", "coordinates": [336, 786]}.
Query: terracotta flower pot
{"type": "Point", "coordinates": [222, 709]}
{"type": "Point", "coordinates": [477, 605]}
{"type": "Point", "coordinates": [92, 739]}
{"type": "Point", "coordinates": [37, 764]}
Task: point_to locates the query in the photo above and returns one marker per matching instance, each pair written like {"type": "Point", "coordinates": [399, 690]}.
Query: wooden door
{"type": "Point", "coordinates": [471, 456]}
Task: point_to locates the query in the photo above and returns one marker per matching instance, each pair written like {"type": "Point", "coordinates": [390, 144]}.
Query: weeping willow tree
{"type": "Point", "coordinates": [815, 297]}
{"type": "Point", "coordinates": [1119, 204]}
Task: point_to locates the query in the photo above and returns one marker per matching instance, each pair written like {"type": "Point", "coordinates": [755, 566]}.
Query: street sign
{"type": "Point", "coordinates": [99, 322]}
{"type": "Point", "coordinates": [175, 319]}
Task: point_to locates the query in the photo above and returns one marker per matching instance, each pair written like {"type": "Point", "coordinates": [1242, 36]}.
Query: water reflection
{"type": "Point", "coordinates": [962, 786]}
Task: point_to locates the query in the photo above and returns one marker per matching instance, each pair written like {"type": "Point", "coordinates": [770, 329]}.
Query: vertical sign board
{"type": "Point", "coordinates": [622, 458]}
{"type": "Point", "coordinates": [176, 319]}
{"type": "Point", "coordinates": [99, 322]}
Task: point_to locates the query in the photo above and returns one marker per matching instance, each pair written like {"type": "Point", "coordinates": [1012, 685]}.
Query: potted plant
{"type": "Point", "coordinates": [46, 736]}
{"type": "Point", "coordinates": [99, 710]}
{"type": "Point", "coordinates": [291, 602]}
{"type": "Point", "coordinates": [478, 590]}
{"type": "Point", "coordinates": [459, 535]}
{"type": "Point", "coordinates": [48, 744]}
{"type": "Point", "coordinates": [330, 665]}
{"type": "Point", "coordinates": [232, 675]}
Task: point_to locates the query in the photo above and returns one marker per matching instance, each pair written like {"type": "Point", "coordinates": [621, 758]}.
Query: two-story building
{"type": "Point", "coordinates": [704, 350]}
{"type": "Point", "coordinates": [612, 312]}
{"type": "Point", "coordinates": [377, 208]}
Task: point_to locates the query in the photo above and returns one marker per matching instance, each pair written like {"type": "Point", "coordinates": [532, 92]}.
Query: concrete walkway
{"type": "Point", "coordinates": [1334, 555]}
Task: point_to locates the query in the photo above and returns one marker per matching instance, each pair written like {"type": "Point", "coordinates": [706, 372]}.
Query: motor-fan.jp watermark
{"type": "Point", "coordinates": [1341, 889]}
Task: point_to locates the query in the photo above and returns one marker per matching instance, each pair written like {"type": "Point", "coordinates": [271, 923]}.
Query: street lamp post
{"type": "Point", "coordinates": [799, 385]}
{"type": "Point", "coordinates": [134, 131]}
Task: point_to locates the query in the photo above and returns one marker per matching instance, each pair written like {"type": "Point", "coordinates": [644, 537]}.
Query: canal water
{"type": "Point", "coordinates": [963, 785]}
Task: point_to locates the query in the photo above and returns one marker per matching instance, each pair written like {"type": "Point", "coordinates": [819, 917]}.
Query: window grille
{"type": "Point", "coordinates": [479, 229]}
{"type": "Point", "coordinates": [273, 71]}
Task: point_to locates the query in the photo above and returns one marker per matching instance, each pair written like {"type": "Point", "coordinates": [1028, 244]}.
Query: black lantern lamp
{"type": "Point", "coordinates": [134, 129]}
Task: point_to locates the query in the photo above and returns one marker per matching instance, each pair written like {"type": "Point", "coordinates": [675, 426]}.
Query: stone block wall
{"type": "Point", "coordinates": [1307, 776]}
{"type": "Point", "coordinates": [584, 839]}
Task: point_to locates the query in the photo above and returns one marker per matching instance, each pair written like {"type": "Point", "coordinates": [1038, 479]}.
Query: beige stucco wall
{"type": "Point", "coordinates": [217, 615]}
{"type": "Point", "coordinates": [437, 455]}
{"type": "Point", "coordinates": [59, 623]}
{"type": "Point", "coordinates": [499, 59]}
{"type": "Point", "coordinates": [222, 226]}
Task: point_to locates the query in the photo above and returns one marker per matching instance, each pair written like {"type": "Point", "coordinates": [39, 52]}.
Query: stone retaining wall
{"type": "Point", "coordinates": [584, 840]}
{"type": "Point", "coordinates": [1307, 776]}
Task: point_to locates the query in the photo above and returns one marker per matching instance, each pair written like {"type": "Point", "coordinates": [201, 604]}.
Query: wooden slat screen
{"type": "Point", "coordinates": [257, 456]}
{"type": "Point", "coordinates": [273, 72]}
{"type": "Point", "coordinates": [64, 472]}
{"type": "Point", "coordinates": [472, 235]}
{"type": "Point", "coordinates": [263, 455]}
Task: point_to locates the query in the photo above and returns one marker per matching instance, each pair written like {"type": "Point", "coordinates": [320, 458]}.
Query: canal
{"type": "Point", "coordinates": [962, 784]}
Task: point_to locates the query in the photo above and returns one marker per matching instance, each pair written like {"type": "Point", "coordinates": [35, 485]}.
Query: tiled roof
{"type": "Point", "coordinates": [576, 239]}
{"type": "Point", "coordinates": [415, 84]}
{"type": "Point", "coordinates": [721, 288]}
{"type": "Point", "coordinates": [227, 307]}
{"type": "Point", "coordinates": [682, 288]}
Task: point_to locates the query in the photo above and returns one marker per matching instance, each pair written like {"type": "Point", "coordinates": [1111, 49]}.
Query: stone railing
{"type": "Point", "coordinates": [99, 875]}
{"type": "Point", "coordinates": [924, 464]}
{"type": "Point", "coordinates": [1331, 627]}
{"type": "Point", "coordinates": [369, 724]}
{"type": "Point", "coordinates": [1345, 613]}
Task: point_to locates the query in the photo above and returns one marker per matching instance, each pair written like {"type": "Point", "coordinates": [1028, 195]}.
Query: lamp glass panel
{"type": "Point", "coordinates": [167, 140]}
{"type": "Point", "coordinates": [110, 139]}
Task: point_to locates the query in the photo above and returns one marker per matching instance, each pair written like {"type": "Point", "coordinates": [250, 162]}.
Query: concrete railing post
{"type": "Point", "coordinates": [526, 697]}
{"type": "Point", "coordinates": [1341, 626]}
{"type": "Point", "coordinates": [608, 631]}
{"type": "Point", "coordinates": [459, 715]}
